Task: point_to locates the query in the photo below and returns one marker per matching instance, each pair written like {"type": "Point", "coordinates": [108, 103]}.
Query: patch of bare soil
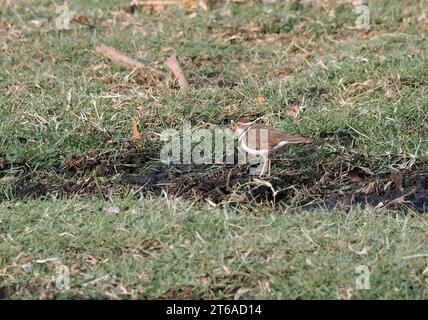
{"type": "Point", "coordinates": [319, 185]}
{"type": "Point", "coordinates": [183, 293]}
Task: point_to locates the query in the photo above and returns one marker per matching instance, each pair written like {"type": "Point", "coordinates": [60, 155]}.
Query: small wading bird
{"type": "Point", "coordinates": [262, 140]}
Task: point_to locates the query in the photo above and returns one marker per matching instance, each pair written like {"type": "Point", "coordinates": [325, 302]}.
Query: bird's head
{"type": "Point", "coordinates": [241, 125]}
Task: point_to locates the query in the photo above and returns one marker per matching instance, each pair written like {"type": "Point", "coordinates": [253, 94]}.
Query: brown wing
{"type": "Point", "coordinates": [297, 139]}
{"type": "Point", "coordinates": [263, 137]}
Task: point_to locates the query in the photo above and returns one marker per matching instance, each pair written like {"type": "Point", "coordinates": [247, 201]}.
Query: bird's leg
{"type": "Point", "coordinates": [263, 167]}
{"type": "Point", "coordinates": [269, 165]}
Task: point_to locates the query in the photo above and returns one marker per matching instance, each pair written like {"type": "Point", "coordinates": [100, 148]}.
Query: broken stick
{"type": "Point", "coordinates": [174, 66]}
{"type": "Point", "coordinates": [125, 61]}
{"type": "Point", "coordinates": [117, 57]}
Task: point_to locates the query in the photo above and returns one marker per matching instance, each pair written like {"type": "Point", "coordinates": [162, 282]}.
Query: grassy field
{"type": "Point", "coordinates": [79, 195]}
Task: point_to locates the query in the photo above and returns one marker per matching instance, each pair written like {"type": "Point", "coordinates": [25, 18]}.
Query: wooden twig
{"type": "Point", "coordinates": [117, 57]}
{"type": "Point", "coordinates": [127, 62]}
{"type": "Point", "coordinates": [174, 66]}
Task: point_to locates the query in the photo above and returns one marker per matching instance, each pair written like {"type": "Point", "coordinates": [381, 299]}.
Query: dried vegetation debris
{"type": "Point", "coordinates": [102, 174]}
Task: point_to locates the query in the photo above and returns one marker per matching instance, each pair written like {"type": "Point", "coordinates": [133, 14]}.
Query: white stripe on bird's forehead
{"type": "Point", "coordinates": [246, 123]}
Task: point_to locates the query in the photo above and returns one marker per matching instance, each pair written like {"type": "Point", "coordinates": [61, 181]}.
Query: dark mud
{"type": "Point", "coordinates": [316, 185]}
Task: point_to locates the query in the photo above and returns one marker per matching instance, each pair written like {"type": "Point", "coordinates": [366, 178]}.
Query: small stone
{"type": "Point", "coordinates": [115, 210]}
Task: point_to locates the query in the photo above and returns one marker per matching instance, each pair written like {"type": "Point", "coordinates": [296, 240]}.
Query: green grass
{"type": "Point", "coordinates": [58, 99]}
{"type": "Point", "coordinates": [48, 91]}
{"type": "Point", "coordinates": [159, 248]}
